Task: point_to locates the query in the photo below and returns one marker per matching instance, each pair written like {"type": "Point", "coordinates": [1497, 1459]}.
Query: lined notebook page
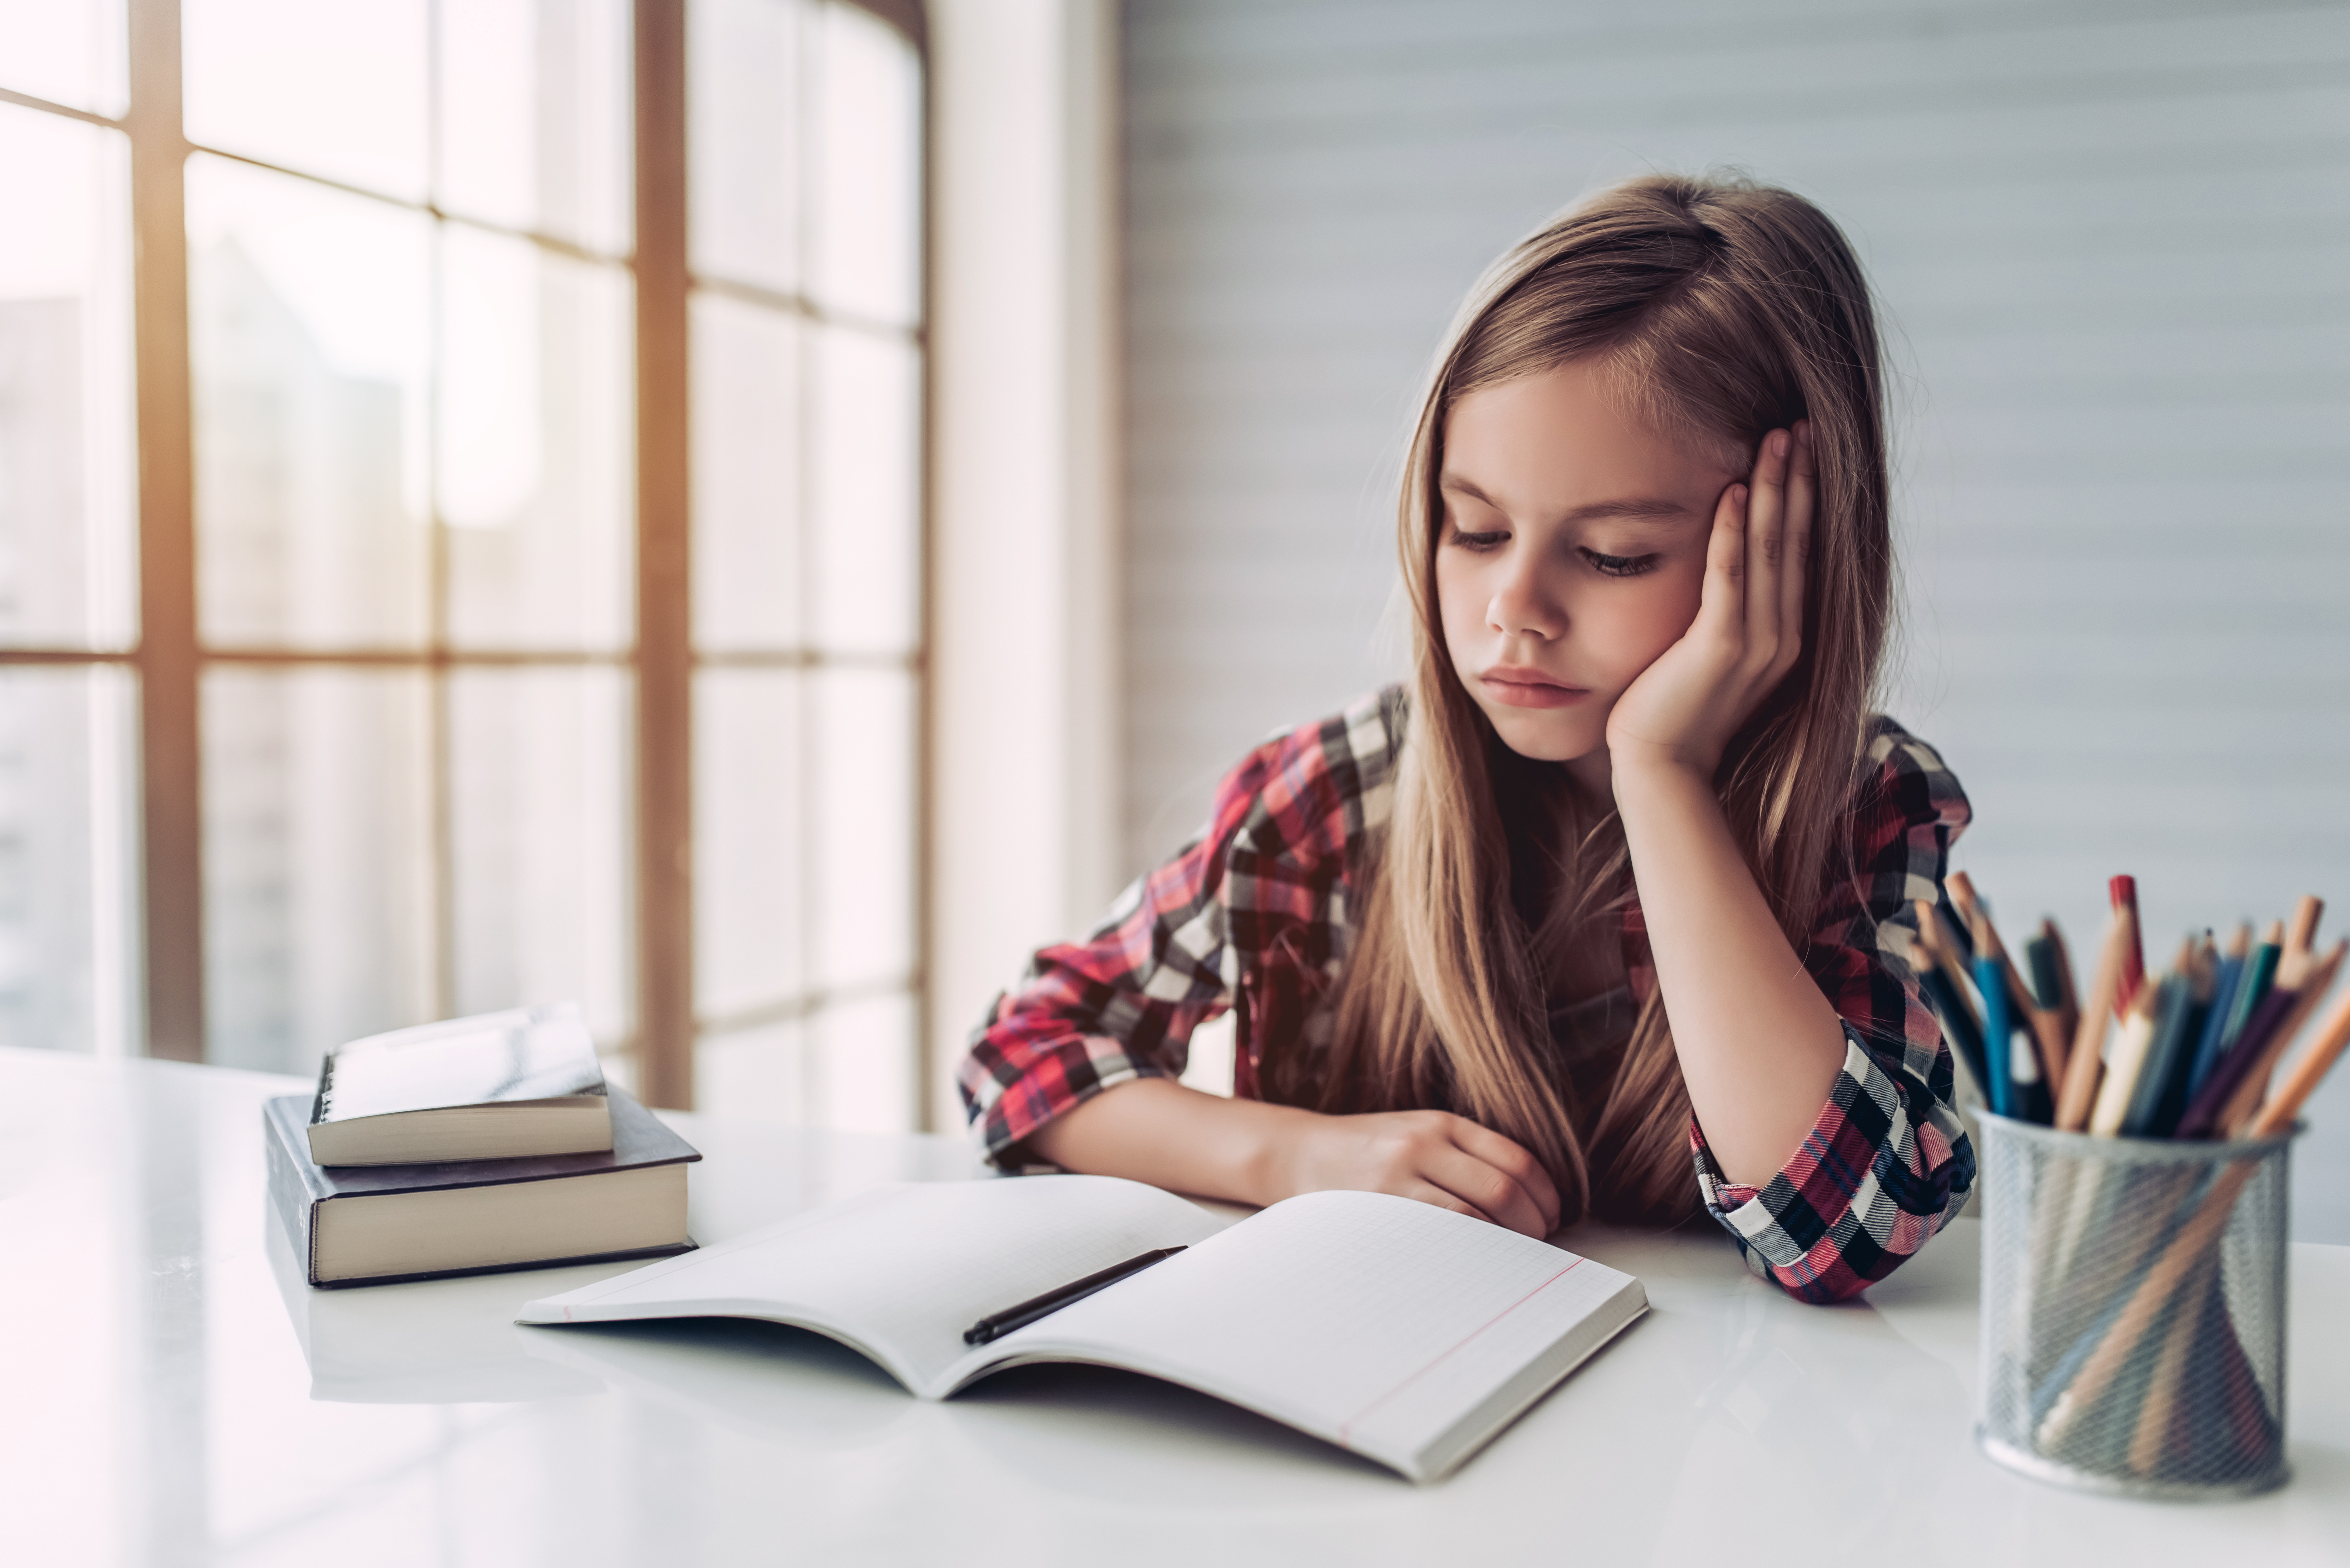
{"type": "Point", "coordinates": [1373, 1321]}
{"type": "Point", "coordinates": [904, 1271]}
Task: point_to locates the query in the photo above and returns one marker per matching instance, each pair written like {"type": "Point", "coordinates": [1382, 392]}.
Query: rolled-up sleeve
{"type": "Point", "coordinates": [1118, 1006]}
{"type": "Point", "coordinates": [1264, 885]}
{"type": "Point", "coordinates": [1888, 1163]}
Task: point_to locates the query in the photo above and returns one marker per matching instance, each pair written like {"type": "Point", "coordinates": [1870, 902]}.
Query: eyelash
{"type": "Point", "coordinates": [1606, 565]}
{"type": "Point", "coordinates": [1619, 565]}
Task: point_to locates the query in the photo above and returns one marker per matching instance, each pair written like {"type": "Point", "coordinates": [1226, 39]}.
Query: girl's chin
{"type": "Point", "coordinates": [1549, 736]}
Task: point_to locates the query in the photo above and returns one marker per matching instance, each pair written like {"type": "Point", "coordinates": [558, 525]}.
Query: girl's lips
{"type": "Point", "coordinates": [1514, 690]}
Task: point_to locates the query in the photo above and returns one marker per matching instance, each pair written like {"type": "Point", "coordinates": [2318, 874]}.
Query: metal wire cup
{"type": "Point", "coordinates": [2133, 1311]}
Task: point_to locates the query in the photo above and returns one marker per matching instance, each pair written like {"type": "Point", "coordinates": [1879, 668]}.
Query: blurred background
{"type": "Point", "coordinates": [415, 515]}
{"type": "Point", "coordinates": [755, 513]}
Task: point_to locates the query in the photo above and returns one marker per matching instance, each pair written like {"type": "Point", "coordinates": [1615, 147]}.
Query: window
{"type": "Point", "coordinates": [476, 558]}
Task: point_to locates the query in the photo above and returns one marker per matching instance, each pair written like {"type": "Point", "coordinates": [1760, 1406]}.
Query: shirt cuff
{"type": "Point", "coordinates": [1884, 1166]}
{"type": "Point", "coordinates": [1069, 1075]}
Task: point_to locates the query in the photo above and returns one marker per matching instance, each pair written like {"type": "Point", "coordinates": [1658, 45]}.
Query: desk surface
{"type": "Point", "coordinates": [176, 1395]}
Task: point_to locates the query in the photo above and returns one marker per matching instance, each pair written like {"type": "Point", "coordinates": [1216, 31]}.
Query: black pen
{"type": "Point", "coordinates": [996, 1325]}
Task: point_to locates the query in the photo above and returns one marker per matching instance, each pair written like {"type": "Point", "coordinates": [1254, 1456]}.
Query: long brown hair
{"type": "Point", "coordinates": [1719, 311]}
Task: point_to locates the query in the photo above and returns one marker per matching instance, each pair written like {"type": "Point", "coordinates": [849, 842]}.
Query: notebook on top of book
{"type": "Point", "coordinates": [497, 1086]}
{"type": "Point", "coordinates": [1405, 1333]}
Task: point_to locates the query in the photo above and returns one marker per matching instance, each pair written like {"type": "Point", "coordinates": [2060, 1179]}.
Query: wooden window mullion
{"type": "Point", "coordinates": [664, 599]}
{"type": "Point", "coordinates": [171, 758]}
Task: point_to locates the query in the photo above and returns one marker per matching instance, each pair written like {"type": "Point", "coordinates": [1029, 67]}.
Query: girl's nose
{"type": "Point", "coordinates": [1519, 607]}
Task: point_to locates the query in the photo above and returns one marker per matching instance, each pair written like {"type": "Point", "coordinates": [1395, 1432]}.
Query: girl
{"type": "Point", "coordinates": [1623, 874]}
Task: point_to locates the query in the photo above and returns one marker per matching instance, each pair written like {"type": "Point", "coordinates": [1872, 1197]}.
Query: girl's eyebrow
{"type": "Point", "coordinates": [1631, 508]}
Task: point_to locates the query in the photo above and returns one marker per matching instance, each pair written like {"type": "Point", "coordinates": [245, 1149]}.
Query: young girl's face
{"type": "Point", "coordinates": [1571, 555]}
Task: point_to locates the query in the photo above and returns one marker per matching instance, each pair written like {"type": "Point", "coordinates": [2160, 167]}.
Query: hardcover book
{"type": "Point", "coordinates": [377, 1224]}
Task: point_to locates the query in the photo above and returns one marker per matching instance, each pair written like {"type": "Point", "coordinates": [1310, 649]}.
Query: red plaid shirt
{"type": "Point", "coordinates": [1256, 911]}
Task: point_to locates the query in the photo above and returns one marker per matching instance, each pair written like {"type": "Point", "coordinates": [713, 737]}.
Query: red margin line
{"type": "Point", "coordinates": [1346, 1427]}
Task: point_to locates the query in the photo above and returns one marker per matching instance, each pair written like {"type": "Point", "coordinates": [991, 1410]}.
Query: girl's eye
{"type": "Point", "coordinates": [1479, 542]}
{"type": "Point", "coordinates": [1619, 565]}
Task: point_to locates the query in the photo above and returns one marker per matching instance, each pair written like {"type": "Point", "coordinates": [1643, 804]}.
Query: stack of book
{"type": "Point", "coordinates": [471, 1145]}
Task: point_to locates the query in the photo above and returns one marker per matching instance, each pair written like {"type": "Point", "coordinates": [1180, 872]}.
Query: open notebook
{"type": "Point", "coordinates": [1405, 1332]}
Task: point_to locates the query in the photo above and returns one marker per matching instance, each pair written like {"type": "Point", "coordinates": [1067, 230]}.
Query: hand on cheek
{"type": "Point", "coordinates": [1683, 708]}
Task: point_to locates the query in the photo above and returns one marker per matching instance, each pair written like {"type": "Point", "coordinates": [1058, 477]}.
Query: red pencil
{"type": "Point", "coordinates": [2124, 895]}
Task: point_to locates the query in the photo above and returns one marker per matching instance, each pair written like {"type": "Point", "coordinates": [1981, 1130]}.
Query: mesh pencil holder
{"type": "Point", "coordinates": [2134, 1311]}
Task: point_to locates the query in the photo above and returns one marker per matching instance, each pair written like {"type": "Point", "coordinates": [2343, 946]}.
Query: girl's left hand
{"type": "Point", "coordinates": [1682, 710]}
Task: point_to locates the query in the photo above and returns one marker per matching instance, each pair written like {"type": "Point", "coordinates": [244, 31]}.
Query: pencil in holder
{"type": "Point", "coordinates": [2134, 1311]}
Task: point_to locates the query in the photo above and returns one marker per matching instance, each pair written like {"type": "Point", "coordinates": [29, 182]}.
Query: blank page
{"type": "Point", "coordinates": [1376, 1322]}
{"type": "Point", "coordinates": [902, 1272]}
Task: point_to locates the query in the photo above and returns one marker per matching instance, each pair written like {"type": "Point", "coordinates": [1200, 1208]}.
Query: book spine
{"type": "Point", "coordinates": [290, 1191]}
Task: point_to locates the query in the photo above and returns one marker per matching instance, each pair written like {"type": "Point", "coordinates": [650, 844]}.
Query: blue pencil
{"type": "Point", "coordinates": [2253, 985]}
{"type": "Point", "coordinates": [2215, 1023]}
{"type": "Point", "coordinates": [1992, 986]}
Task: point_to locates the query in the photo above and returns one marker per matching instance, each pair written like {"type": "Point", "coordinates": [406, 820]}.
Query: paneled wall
{"type": "Point", "coordinates": [2112, 246]}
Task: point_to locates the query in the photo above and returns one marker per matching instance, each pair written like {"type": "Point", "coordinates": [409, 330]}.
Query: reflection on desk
{"type": "Point", "coordinates": [176, 1396]}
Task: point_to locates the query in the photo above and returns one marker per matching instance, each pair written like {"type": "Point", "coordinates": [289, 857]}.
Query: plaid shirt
{"type": "Point", "coordinates": [1256, 914]}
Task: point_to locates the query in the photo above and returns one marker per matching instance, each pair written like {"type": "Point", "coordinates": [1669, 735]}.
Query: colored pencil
{"type": "Point", "coordinates": [2040, 962]}
{"type": "Point", "coordinates": [1954, 931]}
{"type": "Point", "coordinates": [2045, 1039]}
{"type": "Point", "coordinates": [2127, 1059]}
{"type": "Point", "coordinates": [2201, 1119]}
{"type": "Point", "coordinates": [2317, 979]}
{"type": "Point", "coordinates": [2052, 982]}
{"type": "Point", "coordinates": [2259, 974]}
{"type": "Point", "coordinates": [2123, 892]}
{"type": "Point", "coordinates": [2084, 1065]}
{"type": "Point", "coordinates": [2301, 936]}
{"type": "Point", "coordinates": [2162, 1087]}
{"type": "Point", "coordinates": [1960, 1027]}
{"type": "Point", "coordinates": [1998, 1033]}
{"type": "Point", "coordinates": [2224, 998]}
{"type": "Point", "coordinates": [2178, 1069]}
{"type": "Point", "coordinates": [2150, 1443]}
{"type": "Point", "coordinates": [2007, 1005]}
{"type": "Point", "coordinates": [1974, 916]}
{"type": "Point", "coordinates": [1952, 952]}
{"type": "Point", "coordinates": [2068, 1002]}
{"type": "Point", "coordinates": [2230, 1095]}
{"type": "Point", "coordinates": [2283, 1107]}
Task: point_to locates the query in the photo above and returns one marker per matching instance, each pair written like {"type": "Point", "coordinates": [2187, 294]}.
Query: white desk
{"type": "Point", "coordinates": [169, 1395]}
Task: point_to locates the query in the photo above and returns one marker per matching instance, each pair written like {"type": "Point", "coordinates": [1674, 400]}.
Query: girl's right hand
{"type": "Point", "coordinates": [1434, 1157]}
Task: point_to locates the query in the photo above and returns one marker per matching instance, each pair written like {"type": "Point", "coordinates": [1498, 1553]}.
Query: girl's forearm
{"type": "Point", "coordinates": [1760, 1046]}
{"type": "Point", "coordinates": [1158, 1131]}
{"type": "Point", "coordinates": [1245, 1151]}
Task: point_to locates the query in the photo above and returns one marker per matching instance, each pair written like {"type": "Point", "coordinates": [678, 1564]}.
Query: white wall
{"type": "Point", "coordinates": [1024, 564]}
{"type": "Point", "coordinates": [2113, 242]}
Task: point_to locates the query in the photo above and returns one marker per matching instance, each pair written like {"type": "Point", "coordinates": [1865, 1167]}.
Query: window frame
{"type": "Point", "coordinates": [168, 655]}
